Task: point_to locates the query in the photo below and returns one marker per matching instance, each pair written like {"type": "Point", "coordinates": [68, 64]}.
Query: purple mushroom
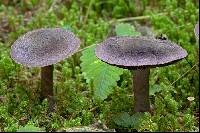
{"type": "Point", "coordinates": [139, 54]}
{"type": "Point", "coordinates": [43, 48]}
{"type": "Point", "coordinates": [196, 30]}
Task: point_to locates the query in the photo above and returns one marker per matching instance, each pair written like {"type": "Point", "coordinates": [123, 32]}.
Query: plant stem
{"type": "Point", "coordinates": [87, 13]}
{"type": "Point", "coordinates": [52, 5]}
{"type": "Point", "coordinates": [85, 48]}
{"type": "Point", "coordinates": [134, 18]}
{"type": "Point", "coordinates": [141, 90]}
{"type": "Point", "coordinates": [47, 86]}
{"type": "Point", "coordinates": [184, 74]}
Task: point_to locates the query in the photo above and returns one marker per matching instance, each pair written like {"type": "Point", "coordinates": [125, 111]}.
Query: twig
{"type": "Point", "coordinates": [183, 74]}
{"type": "Point", "coordinates": [93, 109]}
{"type": "Point", "coordinates": [85, 48]}
{"type": "Point", "coordinates": [87, 13]}
{"type": "Point", "coordinates": [189, 63]}
{"type": "Point", "coordinates": [52, 5]}
{"type": "Point", "coordinates": [134, 18]}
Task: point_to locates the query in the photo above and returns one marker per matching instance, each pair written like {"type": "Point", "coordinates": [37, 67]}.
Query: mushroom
{"type": "Point", "coordinates": [139, 54]}
{"type": "Point", "coordinates": [43, 48]}
{"type": "Point", "coordinates": [196, 31]}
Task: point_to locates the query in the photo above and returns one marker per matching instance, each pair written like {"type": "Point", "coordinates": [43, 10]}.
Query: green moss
{"type": "Point", "coordinates": [76, 105]}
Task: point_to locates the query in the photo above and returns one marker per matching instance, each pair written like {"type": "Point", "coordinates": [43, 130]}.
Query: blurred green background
{"type": "Point", "coordinates": [174, 89]}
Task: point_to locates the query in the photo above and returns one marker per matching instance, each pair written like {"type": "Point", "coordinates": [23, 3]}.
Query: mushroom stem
{"type": "Point", "coordinates": [47, 86]}
{"type": "Point", "coordinates": [141, 90]}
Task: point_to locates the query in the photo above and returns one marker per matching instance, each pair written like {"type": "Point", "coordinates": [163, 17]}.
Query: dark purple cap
{"type": "Point", "coordinates": [43, 47]}
{"type": "Point", "coordinates": [196, 30]}
{"type": "Point", "coordinates": [138, 51]}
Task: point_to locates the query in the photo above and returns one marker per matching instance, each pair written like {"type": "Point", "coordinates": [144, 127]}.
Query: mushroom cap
{"type": "Point", "coordinates": [140, 51]}
{"type": "Point", "coordinates": [196, 30]}
{"type": "Point", "coordinates": [43, 47]}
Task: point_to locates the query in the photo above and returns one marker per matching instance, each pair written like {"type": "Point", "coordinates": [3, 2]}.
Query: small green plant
{"type": "Point", "coordinates": [29, 128]}
{"type": "Point", "coordinates": [125, 121]}
{"type": "Point", "coordinates": [105, 76]}
{"type": "Point", "coordinates": [102, 75]}
{"type": "Point", "coordinates": [125, 29]}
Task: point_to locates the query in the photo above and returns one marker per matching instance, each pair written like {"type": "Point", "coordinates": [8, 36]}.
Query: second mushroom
{"type": "Point", "coordinates": [139, 54]}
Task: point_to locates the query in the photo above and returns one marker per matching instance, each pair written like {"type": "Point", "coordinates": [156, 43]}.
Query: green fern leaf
{"type": "Point", "coordinates": [124, 29]}
{"type": "Point", "coordinates": [104, 76]}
